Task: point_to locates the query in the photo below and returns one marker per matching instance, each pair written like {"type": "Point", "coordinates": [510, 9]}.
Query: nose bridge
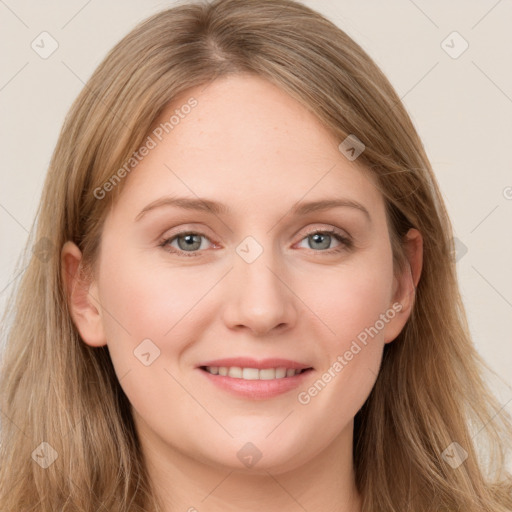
{"type": "Point", "coordinates": [259, 299]}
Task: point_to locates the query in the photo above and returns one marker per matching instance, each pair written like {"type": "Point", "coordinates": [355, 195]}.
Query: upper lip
{"type": "Point", "coordinates": [260, 364]}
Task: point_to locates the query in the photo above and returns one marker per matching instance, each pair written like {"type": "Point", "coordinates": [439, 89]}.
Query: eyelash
{"type": "Point", "coordinates": [346, 243]}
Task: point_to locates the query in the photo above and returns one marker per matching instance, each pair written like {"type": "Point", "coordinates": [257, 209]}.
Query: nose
{"type": "Point", "coordinates": [258, 297]}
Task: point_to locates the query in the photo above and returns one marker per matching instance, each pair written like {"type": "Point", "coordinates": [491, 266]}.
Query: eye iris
{"type": "Point", "coordinates": [319, 237]}
{"type": "Point", "coordinates": [191, 242]}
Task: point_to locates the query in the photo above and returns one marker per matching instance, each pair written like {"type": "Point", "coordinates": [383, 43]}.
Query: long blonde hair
{"type": "Point", "coordinates": [56, 389]}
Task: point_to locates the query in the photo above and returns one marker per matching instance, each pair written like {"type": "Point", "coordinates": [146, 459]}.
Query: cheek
{"type": "Point", "coordinates": [356, 305]}
{"type": "Point", "coordinates": [146, 302]}
{"type": "Point", "coordinates": [150, 316]}
{"type": "Point", "coordinates": [351, 358]}
{"type": "Point", "coordinates": [352, 298]}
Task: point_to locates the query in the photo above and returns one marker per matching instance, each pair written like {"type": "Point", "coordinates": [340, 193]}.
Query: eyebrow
{"type": "Point", "coordinates": [216, 208]}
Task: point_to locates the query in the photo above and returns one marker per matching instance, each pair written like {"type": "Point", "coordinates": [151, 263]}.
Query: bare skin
{"type": "Point", "coordinates": [305, 298]}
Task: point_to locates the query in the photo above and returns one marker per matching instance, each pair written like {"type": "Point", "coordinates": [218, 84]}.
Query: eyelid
{"type": "Point", "coordinates": [323, 228]}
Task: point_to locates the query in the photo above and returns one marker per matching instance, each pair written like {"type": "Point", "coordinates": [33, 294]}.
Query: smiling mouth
{"type": "Point", "coordinates": [237, 372]}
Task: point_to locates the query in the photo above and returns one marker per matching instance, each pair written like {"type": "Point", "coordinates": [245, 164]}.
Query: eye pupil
{"type": "Point", "coordinates": [319, 237]}
{"type": "Point", "coordinates": [191, 242]}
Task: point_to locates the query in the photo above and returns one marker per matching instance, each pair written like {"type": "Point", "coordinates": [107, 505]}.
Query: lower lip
{"type": "Point", "coordinates": [257, 389]}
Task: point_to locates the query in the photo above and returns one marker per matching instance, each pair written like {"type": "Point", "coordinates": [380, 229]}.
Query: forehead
{"type": "Point", "coordinates": [245, 142]}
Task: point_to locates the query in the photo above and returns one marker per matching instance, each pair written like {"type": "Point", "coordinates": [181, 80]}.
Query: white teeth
{"type": "Point", "coordinates": [267, 374]}
{"type": "Point", "coordinates": [252, 373]}
{"type": "Point", "coordinates": [235, 372]}
{"type": "Point", "coordinates": [280, 373]}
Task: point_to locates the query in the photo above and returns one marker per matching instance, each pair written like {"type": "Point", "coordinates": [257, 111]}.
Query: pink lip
{"type": "Point", "coordinates": [256, 389]}
{"type": "Point", "coordinates": [247, 362]}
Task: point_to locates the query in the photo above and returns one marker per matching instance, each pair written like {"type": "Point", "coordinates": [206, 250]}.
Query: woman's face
{"type": "Point", "coordinates": [210, 259]}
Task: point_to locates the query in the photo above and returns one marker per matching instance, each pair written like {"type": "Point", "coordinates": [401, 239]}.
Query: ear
{"type": "Point", "coordinates": [82, 297]}
{"type": "Point", "coordinates": [404, 290]}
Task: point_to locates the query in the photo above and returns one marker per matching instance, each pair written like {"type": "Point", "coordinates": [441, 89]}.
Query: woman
{"type": "Point", "coordinates": [247, 296]}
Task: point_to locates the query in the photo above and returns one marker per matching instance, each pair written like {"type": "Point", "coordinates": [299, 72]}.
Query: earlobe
{"type": "Point", "coordinates": [81, 294]}
{"type": "Point", "coordinates": [406, 283]}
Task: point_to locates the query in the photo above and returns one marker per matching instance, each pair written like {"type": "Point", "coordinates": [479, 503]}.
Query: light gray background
{"type": "Point", "coordinates": [462, 109]}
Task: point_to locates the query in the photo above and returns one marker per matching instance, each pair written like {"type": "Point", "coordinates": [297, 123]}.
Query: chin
{"type": "Point", "coordinates": [257, 454]}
